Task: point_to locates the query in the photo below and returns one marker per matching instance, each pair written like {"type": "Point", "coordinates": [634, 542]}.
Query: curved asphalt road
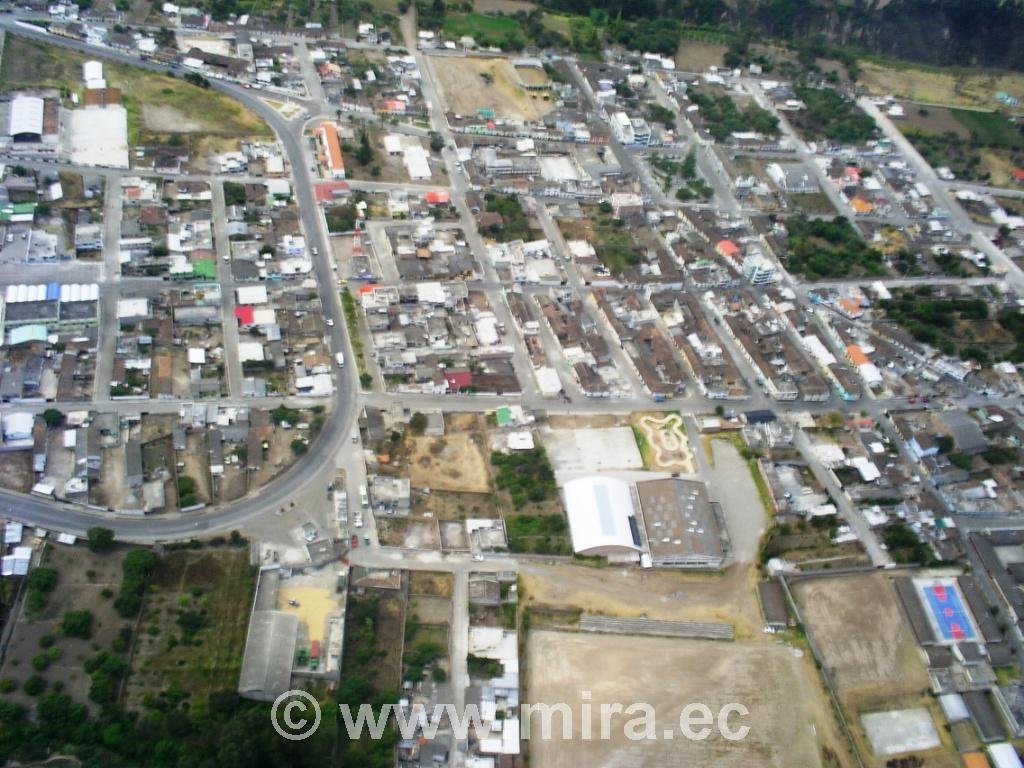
{"type": "Point", "coordinates": [74, 518]}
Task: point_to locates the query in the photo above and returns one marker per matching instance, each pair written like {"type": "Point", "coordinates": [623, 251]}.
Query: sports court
{"type": "Point", "coordinates": [946, 610]}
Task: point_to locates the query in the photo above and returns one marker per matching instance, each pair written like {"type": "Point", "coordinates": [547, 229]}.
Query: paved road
{"type": "Point", "coordinates": [340, 419]}
{"type": "Point", "coordinates": [944, 199]}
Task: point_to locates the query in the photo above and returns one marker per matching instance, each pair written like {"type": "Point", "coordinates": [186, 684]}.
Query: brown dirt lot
{"type": "Point", "coordinates": [653, 594]}
{"type": "Point", "coordinates": [409, 532]}
{"type": "Point", "coordinates": [223, 584]}
{"type": "Point", "coordinates": [454, 462]}
{"type": "Point", "coordinates": [432, 583]}
{"type": "Point", "coordinates": [16, 471]}
{"type": "Point", "coordinates": [465, 89]}
{"type": "Point", "coordinates": [867, 644]}
{"type": "Point", "coordinates": [431, 610]}
{"type": "Point", "coordinates": [451, 505]}
{"type": "Point", "coordinates": [936, 120]}
{"type": "Point", "coordinates": [668, 674]}
{"type": "Point", "coordinates": [694, 56]}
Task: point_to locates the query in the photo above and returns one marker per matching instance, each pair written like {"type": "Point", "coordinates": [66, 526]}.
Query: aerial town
{"type": "Point", "coordinates": [490, 357]}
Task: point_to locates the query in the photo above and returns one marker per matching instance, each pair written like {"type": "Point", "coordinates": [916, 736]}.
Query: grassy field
{"type": "Point", "coordinates": [157, 104]}
{"type": "Point", "coordinates": [937, 85]}
{"type": "Point", "coordinates": [215, 584]}
{"type": "Point", "coordinates": [480, 26]}
{"type": "Point", "coordinates": [993, 129]}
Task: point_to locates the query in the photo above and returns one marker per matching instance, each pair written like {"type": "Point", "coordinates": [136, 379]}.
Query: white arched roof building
{"type": "Point", "coordinates": [601, 519]}
{"type": "Point", "coordinates": [26, 117]}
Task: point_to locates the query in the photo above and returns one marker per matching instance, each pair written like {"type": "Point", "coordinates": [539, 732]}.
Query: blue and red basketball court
{"type": "Point", "coordinates": [949, 616]}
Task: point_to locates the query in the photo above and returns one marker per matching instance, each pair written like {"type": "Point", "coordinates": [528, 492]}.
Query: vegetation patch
{"type": "Point", "coordinates": [831, 115]}
{"type": "Point", "coordinates": [820, 249]}
{"type": "Point", "coordinates": [720, 115]}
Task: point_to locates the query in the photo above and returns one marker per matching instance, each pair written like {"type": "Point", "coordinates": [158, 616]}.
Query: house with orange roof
{"type": "Point", "coordinates": [861, 206]}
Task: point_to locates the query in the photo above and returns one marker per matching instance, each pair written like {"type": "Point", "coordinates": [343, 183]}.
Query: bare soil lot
{"type": "Point", "coordinates": [695, 56]}
{"type": "Point", "coordinates": [859, 625]}
{"type": "Point", "coordinates": [785, 730]}
{"type": "Point", "coordinates": [409, 532]}
{"type": "Point", "coordinates": [653, 594]}
{"type": "Point", "coordinates": [471, 83]}
{"type": "Point", "coordinates": [431, 583]}
{"type": "Point", "coordinates": [454, 462]}
{"type": "Point", "coordinates": [16, 471]}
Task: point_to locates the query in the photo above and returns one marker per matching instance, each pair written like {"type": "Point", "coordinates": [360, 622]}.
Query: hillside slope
{"type": "Point", "coordinates": [961, 32]}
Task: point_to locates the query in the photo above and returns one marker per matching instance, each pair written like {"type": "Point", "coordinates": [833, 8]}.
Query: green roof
{"type": "Point", "coordinates": [7, 212]}
{"type": "Point", "coordinates": [205, 268]}
{"type": "Point", "coordinates": [503, 415]}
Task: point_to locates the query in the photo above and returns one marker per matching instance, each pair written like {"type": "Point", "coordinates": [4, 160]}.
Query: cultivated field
{"type": "Point", "coordinates": [471, 83]}
{"type": "Point", "coordinates": [454, 462]}
{"type": "Point", "coordinates": [785, 729]}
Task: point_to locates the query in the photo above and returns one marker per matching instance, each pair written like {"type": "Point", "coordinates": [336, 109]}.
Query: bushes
{"type": "Point", "coordinates": [722, 117]}
{"type": "Point", "coordinates": [186, 491]}
{"type": "Point", "coordinates": [833, 116]}
{"type": "Point", "coordinates": [540, 534]}
{"type": "Point", "coordinates": [136, 569]}
{"type": "Point", "coordinates": [527, 475]}
{"type": "Point", "coordinates": [77, 624]}
{"type": "Point", "coordinates": [41, 582]}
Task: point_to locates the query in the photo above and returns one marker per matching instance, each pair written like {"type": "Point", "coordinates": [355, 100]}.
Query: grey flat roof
{"type": "Point", "coordinates": [269, 651]}
{"type": "Point", "coordinates": [679, 519]}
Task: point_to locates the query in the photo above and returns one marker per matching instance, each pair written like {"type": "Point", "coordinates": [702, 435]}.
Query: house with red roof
{"type": "Point", "coordinates": [458, 379]}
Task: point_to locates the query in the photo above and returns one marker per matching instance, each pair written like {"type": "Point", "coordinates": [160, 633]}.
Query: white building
{"type": "Point", "coordinates": [601, 517]}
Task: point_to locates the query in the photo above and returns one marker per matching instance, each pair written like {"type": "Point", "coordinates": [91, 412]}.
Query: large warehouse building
{"type": "Point", "coordinates": [601, 518]}
{"type": "Point", "coordinates": [683, 528]}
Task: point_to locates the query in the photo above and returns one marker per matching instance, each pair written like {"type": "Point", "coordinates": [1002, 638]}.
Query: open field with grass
{"type": "Point", "coordinates": [157, 104]}
{"type": "Point", "coordinates": [214, 588]}
{"type": "Point", "coordinates": [936, 85]}
{"type": "Point", "coordinates": [480, 26]}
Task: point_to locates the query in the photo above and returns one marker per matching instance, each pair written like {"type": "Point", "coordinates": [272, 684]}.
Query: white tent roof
{"type": "Point", "coordinates": [600, 510]}
{"type": "Point", "coordinates": [26, 115]}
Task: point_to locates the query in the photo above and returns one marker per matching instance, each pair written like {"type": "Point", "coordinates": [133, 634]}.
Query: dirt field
{"type": "Point", "coordinates": [432, 583]}
{"type": "Point", "coordinates": [533, 76]}
{"type": "Point", "coordinates": [465, 89]}
{"type": "Point", "coordinates": [694, 56]}
{"type": "Point", "coordinates": [935, 120]}
{"type": "Point", "coordinates": [82, 578]}
{"type": "Point", "coordinates": [454, 462]}
{"type": "Point", "coordinates": [938, 86]}
{"type": "Point", "coordinates": [409, 533]}
{"type": "Point", "coordinates": [503, 6]}
{"type": "Point", "coordinates": [869, 648]}
{"type": "Point", "coordinates": [668, 674]}
{"type": "Point", "coordinates": [16, 471]}
{"type": "Point", "coordinates": [215, 582]}
{"type": "Point", "coordinates": [431, 610]}
{"type": "Point", "coordinates": [654, 594]}
{"type": "Point", "coordinates": [665, 445]}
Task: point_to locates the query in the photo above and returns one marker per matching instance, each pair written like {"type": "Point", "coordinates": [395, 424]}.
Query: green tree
{"type": "Point", "coordinates": [100, 539]}
{"type": "Point", "coordinates": [53, 418]}
{"type": "Point", "coordinates": [364, 154]}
